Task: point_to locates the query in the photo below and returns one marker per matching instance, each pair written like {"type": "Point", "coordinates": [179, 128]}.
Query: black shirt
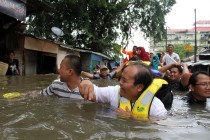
{"type": "Point", "coordinates": [175, 85]}
{"type": "Point", "coordinates": [13, 68]}
{"type": "Point", "coordinates": [191, 99]}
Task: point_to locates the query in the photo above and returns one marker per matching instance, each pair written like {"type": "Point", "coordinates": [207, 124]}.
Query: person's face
{"type": "Point", "coordinates": [64, 70]}
{"type": "Point", "coordinates": [138, 51]}
{"type": "Point", "coordinates": [127, 87]}
{"type": "Point", "coordinates": [202, 88]}
{"type": "Point", "coordinates": [103, 72]}
{"type": "Point", "coordinates": [151, 55]}
{"type": "Point", "coordinates": [170, 49]}
{"type": "Point", "coordinates": [134, 50]}
{"type": "Point", "coordinates": [174, 74]}
{"type": "Point", "coordinates": [11, 56]}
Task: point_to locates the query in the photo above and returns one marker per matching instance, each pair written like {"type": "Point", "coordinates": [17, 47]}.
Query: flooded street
{"type": "Point", "coordinates": [34, 117]}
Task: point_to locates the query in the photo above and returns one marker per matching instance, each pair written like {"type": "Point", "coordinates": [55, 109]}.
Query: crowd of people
{"type": "Point", "coordinates": [140, 92]}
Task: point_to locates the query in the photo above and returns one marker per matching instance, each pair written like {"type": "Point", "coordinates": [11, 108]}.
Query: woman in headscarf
{"type": "Point", "coordinates": [142, 54]}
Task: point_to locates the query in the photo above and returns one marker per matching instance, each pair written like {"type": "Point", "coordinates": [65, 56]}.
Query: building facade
{"type": "Point", "coordinates": [186, 36]}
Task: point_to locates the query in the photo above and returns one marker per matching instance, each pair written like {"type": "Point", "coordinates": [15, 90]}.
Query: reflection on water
{"type": "Point", "coordinates": [36, 117]}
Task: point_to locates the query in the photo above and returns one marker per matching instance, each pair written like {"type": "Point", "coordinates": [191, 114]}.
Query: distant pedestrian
{"type": "Point", "coordinates": [170, 56]}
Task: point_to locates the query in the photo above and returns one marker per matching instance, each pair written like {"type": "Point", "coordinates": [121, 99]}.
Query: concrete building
{"type": "Point", "coordinates": [186, 36]}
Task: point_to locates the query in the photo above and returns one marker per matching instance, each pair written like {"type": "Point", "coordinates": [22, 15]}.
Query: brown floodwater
{"type": "Point", "coordinates": [35, 117]}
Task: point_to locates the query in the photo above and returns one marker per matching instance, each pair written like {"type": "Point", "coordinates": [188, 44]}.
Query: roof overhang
{"type": "Point", "coordinates": [201, 62]}
{"type": "Point", "coordinates": [13, 8]}
{"type": "Point", "coordinates": [84, 51]}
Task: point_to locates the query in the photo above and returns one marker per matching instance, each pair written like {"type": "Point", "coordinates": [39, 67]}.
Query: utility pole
{"type": "Point", "coordinates": [195, 47]}
{"type": "Point", "coordinates": [166, 37]}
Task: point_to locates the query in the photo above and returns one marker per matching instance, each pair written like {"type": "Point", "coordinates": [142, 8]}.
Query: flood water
{"type": "Point", "coordinates": [35, 117]}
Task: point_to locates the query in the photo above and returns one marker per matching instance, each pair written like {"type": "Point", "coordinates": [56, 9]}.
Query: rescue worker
{"type": "Point", "coordinates": [134, 97]}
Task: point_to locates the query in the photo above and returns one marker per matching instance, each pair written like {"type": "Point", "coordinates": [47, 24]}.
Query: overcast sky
{"type": "Point", "coordinates": [182, 15]}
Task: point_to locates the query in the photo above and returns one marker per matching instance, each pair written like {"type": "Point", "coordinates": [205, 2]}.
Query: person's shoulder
{"type": "Point", "coordinates": [174, 53]}
{"type": "Point", "coordinates": [96, 76]}
{"type": "Point", "coordinates": [58, 81]}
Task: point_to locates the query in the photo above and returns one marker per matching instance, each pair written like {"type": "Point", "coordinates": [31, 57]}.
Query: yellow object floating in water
{"type": "Point", "coordinates": [11, 95]}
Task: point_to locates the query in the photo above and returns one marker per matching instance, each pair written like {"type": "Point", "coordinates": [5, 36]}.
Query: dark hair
{"type": "Point", "coordinates": [159, 55]}
{"type": "Point", "coordinates": [170, 45]}
{"type": "Point", "coordinates": [135, 58]}
{"type": "Point", "coordinates": [11, 51]}
{"type": "Point", "coordinates": [194, 77]}
{"type": "Point", "coordinates": [75, 63]}
{"type": "Point", "coordinates": [144, 75]}
{"type": "Point", "coordinates": [178, 67]}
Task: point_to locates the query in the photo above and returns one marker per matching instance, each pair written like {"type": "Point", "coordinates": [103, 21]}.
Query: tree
{"type": "Point", "coordinates": [97, 24]}
{"type": "Point", "coordinates": [179, 48]}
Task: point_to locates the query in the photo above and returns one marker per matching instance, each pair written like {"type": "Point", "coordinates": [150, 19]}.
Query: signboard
{"type": "Point", "coordinates": [13, 8]}
{"type": "Point", "coordinates": [188, 48]}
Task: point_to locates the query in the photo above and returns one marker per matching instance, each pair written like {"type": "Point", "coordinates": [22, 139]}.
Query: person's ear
{"type": "Point", "coordinates": [140, 87]}
{"type": "Point", "coordinates": [70, 71]}
{"type": "Point", "coordinates": [191, 88]}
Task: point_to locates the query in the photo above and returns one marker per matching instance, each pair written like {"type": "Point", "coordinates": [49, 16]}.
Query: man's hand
{"type": "Point", "coordinates": [87, 90]}
{"type": "Point", "coordinates": [125, 112]}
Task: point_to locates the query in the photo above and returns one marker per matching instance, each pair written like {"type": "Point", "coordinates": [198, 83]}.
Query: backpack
{"type": "Point", "coordinates": [166, 95]}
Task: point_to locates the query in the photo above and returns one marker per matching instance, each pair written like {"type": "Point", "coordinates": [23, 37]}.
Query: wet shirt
{"type": "Point", "coordinates": [110, 95]}
{"type": "Point", "coordinates": [111, 75]}
{"type": "Point", "coordinates": [175, 85]}
{"type": "Point", "coordinates": [191, 99]}
{"type": "Point", "coordinates": [61, 89]}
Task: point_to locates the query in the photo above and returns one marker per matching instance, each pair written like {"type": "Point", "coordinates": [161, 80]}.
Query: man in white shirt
{"type": "Point", "coordinates": [171, 56]}
{"type": "Point", "coordinates": [135, 80]}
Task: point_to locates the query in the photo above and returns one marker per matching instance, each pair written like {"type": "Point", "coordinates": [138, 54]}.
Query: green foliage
{"type": "Point", "coordinates": [97, 24]}
{"type": "Point", "coordinates": [179, 49]}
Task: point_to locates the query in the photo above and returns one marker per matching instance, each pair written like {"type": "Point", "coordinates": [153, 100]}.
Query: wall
{"type": "Point", "coordinates": [30, 62]}
{"type": "Point", "coordinates": [40, 45]}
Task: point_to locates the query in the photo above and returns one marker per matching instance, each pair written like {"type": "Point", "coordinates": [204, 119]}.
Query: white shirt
{"type": "Point", "coordinates": [110, 95]}
{"type": "Point", "coordinates": [168, 59]}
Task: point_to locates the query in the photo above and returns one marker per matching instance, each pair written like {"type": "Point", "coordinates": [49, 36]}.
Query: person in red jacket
{"type": "Point", "coordinates": [142, 54]}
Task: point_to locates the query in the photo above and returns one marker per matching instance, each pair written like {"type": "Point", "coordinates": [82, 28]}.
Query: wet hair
{"type": "Point", "coordinates": [75, 63]}
{"type": "Point", "coordinates": [144, 75]}
{"type": "Point", "coordinates": [194, 77]}
{"type": "Point", "coordinates": [178, 67]}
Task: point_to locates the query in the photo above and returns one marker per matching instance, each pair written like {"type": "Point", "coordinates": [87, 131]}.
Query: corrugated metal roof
{"type": "Point", "coordinates": [201, 62]}
{"type": "Point", "coordinates": [85, 51]}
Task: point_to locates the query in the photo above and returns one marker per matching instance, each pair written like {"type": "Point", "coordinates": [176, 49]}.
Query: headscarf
{"type": "Point", "coordinates": [143, 55]}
